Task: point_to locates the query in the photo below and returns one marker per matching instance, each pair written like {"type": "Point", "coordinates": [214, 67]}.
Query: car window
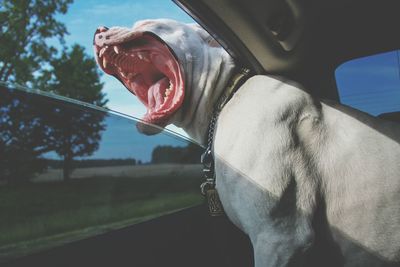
{"type": "Point", "coordinates": [55, 53]}
{"type": "Point", "coordinates": [69, 170]}
{"type": "Point", "coordinates": [371, 84]}
{"type": "Point", "coordinates": [69, 167]}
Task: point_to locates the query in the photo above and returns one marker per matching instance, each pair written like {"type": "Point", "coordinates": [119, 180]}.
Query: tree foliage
{"type": "Point", "coordinates": [25, 26]}
{"type": "Point", "coordinates": [32, 125]}
{"type": "Point", "coordinates": [75, 75]}
{"type": "Point", "coordinates": [26, 57]}
{"type": "Point", "coordinates": [75, 134]}
{"type": "Point", "coordinates": [24, 137]}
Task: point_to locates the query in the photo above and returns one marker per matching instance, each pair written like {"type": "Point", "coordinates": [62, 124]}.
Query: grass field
{"type": "Point", "coordinates": [39, 214]}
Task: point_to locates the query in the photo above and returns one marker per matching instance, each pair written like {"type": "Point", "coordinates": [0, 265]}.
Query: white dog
{"type": "Point", "coordinates": [290, 169]}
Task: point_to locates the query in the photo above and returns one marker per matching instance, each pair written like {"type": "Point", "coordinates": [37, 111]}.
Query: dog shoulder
{"type": "Point", "coordinates": [277, 101]}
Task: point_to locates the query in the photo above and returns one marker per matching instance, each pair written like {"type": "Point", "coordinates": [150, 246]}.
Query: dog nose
{"type": "Point", "coordinates": [99, 37]}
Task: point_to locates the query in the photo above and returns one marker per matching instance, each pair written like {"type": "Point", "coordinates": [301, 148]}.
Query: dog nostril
{"type": "Point", "coordinates": [102, 29]}
{"type": "Point", "coordinates": [97, 33]}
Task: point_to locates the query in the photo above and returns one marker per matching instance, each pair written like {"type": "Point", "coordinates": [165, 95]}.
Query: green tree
{"type": "Point", "coordinates": [74, 134]}
{"type": "Point", "coordinates": [75, 75]}
{"type": "Point", "coordinates": [25, 26]}
{"type": "Point", "coordinates": [24, 136]}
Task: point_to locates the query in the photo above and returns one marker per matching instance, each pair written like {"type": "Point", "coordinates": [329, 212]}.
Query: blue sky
{"type": "Point", "coordinates": [371, 84]}
{"type": "Point", "coordinates": [122, 140]}
{"type": "Point", "coordinates": [83, 18]}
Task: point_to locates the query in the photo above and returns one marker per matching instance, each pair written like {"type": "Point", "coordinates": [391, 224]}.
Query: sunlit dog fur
{"type": "Point", "coordinates": [282, 155]}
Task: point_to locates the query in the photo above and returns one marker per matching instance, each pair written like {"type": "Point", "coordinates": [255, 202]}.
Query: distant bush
{"type": "Point", "coordinates": [88, 163]}
{"type": "Point", "coordinates": [170, 154]}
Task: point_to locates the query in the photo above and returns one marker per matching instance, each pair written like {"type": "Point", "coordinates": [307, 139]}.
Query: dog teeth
{"type": "Point", "coordinates": [143, 56]}
{"type": "Point", "coordinates": [123, 74]}
{"type": "Point", "coordinates": [116, 49]}
{"type": "Point", "coordinates": [102, 51]}
{"type": "Point", "coordinates": [104, 62]}
{"type": "Point", "coordinates": [169, 90]}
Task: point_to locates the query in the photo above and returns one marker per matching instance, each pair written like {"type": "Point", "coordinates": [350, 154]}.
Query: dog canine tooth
{"type": "Point", "coordinates": [102, 51]}
{"type": "Point", "coordinates": [143, 56]}
{"type": "Point", "coordinates": [116, 49]}
{"type": "Point", "coordinates": [123, 74]}
{"type": "Point", "coordinates": [104, 62]}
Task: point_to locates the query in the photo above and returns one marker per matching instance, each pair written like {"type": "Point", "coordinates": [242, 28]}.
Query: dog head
{"type": "Point", "coordinates": [176, 70]}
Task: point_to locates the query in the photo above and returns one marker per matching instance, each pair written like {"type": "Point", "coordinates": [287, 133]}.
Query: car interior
{"type": "Point", "coordinates": [303, 41]}
{"type": "Point", "coordinates": [295, 40]}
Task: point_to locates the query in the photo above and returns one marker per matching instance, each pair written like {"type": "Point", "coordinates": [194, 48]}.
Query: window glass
{"type": "Point", "coordinates": [371, 84]}
{"type": "Point", "coordinates": [69, 171]}
{"type": "Point", "coordinates": [71, 168]}
{"type": "Point", "coordinates": [56, 49]}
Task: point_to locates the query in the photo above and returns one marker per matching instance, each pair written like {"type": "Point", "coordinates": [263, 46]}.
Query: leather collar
{"type": "Point", "coordinates": [207, 158]}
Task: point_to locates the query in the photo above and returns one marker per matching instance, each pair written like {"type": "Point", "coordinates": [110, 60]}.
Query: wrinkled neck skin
{"type": "Point", "coordinates": [206, 80]}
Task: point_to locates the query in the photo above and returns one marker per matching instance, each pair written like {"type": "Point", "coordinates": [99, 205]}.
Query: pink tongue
{"type": "Point", "coordinates": [155, 94]}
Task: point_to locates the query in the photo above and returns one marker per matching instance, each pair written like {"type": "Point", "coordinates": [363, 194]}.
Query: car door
{"type": "Point", "coordinates": [126, 200]}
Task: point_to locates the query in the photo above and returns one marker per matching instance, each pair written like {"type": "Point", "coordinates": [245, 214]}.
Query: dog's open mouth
{"type": "Point", "coordinates": [148, 68]}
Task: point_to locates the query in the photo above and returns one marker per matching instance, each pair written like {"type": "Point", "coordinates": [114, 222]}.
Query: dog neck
{"type": "Point", "coordinates": [207, 82]}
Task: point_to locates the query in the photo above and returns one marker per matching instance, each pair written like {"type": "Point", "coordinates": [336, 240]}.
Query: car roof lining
{"type": "Point", "coordinates": [318, 36]}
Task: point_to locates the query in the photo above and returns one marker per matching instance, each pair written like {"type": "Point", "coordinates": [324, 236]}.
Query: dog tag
{"type": "Point", "coordinates": [214, 203]}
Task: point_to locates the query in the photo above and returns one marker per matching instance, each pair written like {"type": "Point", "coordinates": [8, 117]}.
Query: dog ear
{"type": "Point", "coordinates": [204, 35]}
